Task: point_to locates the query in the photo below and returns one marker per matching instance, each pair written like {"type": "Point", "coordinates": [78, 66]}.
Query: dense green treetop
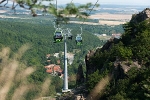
{"type": "Point", "coordinates": [133, 47]}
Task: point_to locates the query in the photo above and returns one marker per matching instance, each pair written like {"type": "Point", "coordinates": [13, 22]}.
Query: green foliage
{"type": "Point", "coordinates": [57, 82]}
{"type": "Point", "coordinates": [79, 11]}
{"type": "Point", "coordinates": [133, 45]}
{"type": "Point", "coordinates": [93, 80]}
{"type": "Point", "coordinates": [15, 33]}
{"type": "Point", "coordinates": [135, 87]}
{"type": "Point", "coordinates": [38, 76]}
{"type": "Point", "coordinates": [118, 96]}
{"type": "Point", "coordinates": [138, 41]}
{"type": "Point", "coordinates": [102, 29]}
{"type": "Point", "coordinates": [121, 51]}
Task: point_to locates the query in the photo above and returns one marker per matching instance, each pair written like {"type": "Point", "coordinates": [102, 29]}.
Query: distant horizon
{"type": "Point", "coordinates": [114, 2]}
{"type": "Point", "coordinates": [147, 5]}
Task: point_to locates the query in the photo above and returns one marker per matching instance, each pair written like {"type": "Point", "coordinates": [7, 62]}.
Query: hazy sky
{"type": "Point", "coordinates": [126, 2]}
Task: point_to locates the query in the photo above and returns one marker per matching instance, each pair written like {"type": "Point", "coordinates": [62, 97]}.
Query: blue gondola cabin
{"type": "Point", "coordinates": [79, 40]}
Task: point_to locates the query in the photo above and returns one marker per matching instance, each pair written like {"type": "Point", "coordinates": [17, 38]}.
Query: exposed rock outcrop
{"type": "Point", "coordinates": [109, 43]}
{"type": "Point", "coordinates": [89, 68]}
{"type": "Point", "coordinates": [119, 67]}
{"type": "Point", "coordinates": [123, 66]}
{"type": "Point", "coordinates": [144, 15]}
{"type": "Point", "coordinates": [80, 76]}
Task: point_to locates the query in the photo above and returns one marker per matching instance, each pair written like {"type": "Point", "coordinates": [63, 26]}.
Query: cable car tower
{"type": "Point", "coordinates": [62, 34]}
{"type": "Point", "coordinates": [66, 33]}
{"type": "Point", "coordinates": [58, 36]}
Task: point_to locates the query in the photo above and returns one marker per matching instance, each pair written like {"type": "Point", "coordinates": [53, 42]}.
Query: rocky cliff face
{"type": "Point", "coordinates": [89, 68]}
{"type": "Point", "coordinates": [109, 43]}
{"type": "Point", "coordinates": [144, 15]}
{"type": "Point", "coordinates": [80, 75]}
{"type": "Point", "coordinates": [121, 67]}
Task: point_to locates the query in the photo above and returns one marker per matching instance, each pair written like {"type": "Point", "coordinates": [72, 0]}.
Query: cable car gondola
{"type": "Point", "coordinates": [58, 36]}
{"type": "Point", "coordinates": [78, 40]}
{"type": "Point", "coordinates": [70, 36]}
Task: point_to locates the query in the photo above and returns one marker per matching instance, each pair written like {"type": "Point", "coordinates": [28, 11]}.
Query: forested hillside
{"type": "Point", "coordinates": [26, 45]}
{"type": "Point", "coordinates": [120, 70]}
{"type": "Point", "coordinates": [40, 37]}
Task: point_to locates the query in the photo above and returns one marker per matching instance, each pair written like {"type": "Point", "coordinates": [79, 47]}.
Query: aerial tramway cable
{"type": "Point", "coordinates": [58, 36]}
{"type": "Point", "coordinates": [79, 37]}
{"type": "Point", "coordinates": [89, 12]}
